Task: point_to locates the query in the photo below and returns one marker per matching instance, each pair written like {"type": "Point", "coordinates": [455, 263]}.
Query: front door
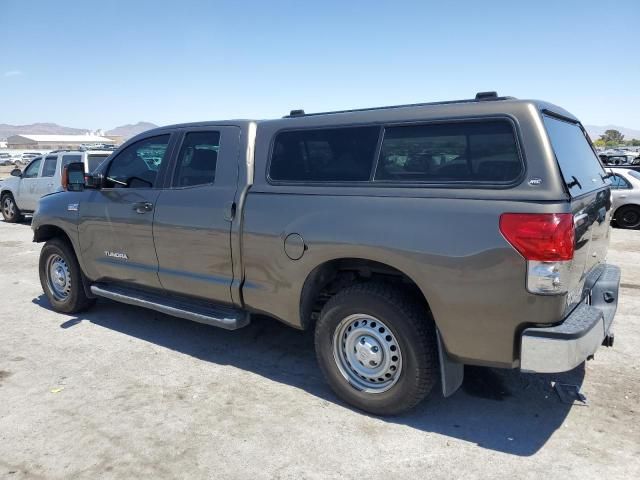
{"type": "Point", "coordinates": [116, 221]}
{"type": "Point", "coordinates": [192, 224]}
{"type": "Point", "coordinates": [26, 197]}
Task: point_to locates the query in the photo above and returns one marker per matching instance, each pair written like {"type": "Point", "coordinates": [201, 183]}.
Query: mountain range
{"type": "Point", "coordinates": [127, 131]}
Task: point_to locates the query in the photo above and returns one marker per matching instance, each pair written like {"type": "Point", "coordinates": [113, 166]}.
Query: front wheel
{"type": "Point", "coordinates": [377, 348]}
{"type": "Point", "coordinates": [10, 210]}
{"type": "Point", "coordinates": [61, 278]}
{"type": "Point", "coordinates": [628, 217]}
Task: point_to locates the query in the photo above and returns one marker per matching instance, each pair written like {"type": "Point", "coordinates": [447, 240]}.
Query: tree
{"type": "Point", "coordinates": [633, 142]}
{"type": "Point", "coordinates": [612, 137]}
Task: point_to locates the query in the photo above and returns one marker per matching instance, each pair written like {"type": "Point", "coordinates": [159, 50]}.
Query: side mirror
{"type": "Point", "coordinates": [93, 180]}
{"type": "Point", "coordinates": [16, 172]}
{"type": "Point", "coordinates": [73, 177]}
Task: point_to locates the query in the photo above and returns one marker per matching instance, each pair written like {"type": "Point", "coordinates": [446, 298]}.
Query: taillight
{"type": "Point", "coordinates": [547, 242]}
{"type": "Point", "coordinates": [547, 237]}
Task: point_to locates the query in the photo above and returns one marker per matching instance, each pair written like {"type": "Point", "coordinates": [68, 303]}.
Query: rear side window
{"type": "Point", "coordinates": [619, 182]}
{"type": "Point", "coordinates": [197, 159]}
{"type": "Point", "coordinates": [580, 167]}
{"type": "Point", "coordinates": [327, 155]}
{"type": "Point", "coordinates": [67, 159]}
{"type": "Point", "coordinates": [463, 151]}
{"type": "Point", "coordinates": [94, 161]}
{"type": "Point", "coordinates": [49, 168]}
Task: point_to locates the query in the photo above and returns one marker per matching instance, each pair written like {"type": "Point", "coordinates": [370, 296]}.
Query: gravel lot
{"type": "Point", "coordinates": [121, 392]}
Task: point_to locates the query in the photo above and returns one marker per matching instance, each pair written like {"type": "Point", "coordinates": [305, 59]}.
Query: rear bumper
{"type": "Point", "coordinates": [565, 346]}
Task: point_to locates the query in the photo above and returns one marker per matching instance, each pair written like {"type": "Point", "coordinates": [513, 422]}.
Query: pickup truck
{"type": "Point", "coordinates": [412, 239]}
{"type": "Point", "coordinates": [20, 193]}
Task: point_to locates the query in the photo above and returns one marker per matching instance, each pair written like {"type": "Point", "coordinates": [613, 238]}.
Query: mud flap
{"type": "Point", "coordinates": [451, 372]}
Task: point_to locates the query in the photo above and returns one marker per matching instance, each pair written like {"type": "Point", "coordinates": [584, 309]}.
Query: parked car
{"type": "Point", "coordinates": [412, 239]}
{"type": "Point", "coordinates": [625, 185]}
{"type": "Point", "coordinates": [626, 158]}
{"type": "Point", "coordinates": [20, 193]}
{"type": "Point", "coordinates": [28, 156]}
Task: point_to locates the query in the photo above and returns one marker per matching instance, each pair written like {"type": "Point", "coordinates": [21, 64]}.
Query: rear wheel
{"type": "Point", "coordinates": [61, 278]}
{"type": "Point", "coordinates": [377, 348]}
{"type": "Point", "coordinates": [10, 210]}
{"type": "Point", "coordinates": [628, 217]}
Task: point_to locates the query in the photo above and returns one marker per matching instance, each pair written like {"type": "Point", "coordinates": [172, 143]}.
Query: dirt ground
{"type": "Point", "coordinates": [121, 392]}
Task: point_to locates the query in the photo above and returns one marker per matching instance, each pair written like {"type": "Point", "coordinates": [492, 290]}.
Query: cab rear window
{"type": "Point", "coordinates": [581, 169]}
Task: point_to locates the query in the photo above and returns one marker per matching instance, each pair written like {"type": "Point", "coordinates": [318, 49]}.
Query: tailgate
{"type": "Point", "coordinates": [590, 196]}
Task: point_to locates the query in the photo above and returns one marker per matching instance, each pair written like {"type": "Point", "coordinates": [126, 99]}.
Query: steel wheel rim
{"type": "Point", "coordinates": [367, 353]}
{"type": "Point", "coordinates": [9, 207]}
{"type": "Point", "coordinates": [58, 277]}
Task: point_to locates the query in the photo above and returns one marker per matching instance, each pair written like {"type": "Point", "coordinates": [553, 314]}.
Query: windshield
{"type": "Point", "coordinates": [95, 160]}
{"type": "Point", "coordinates": [580, 167]}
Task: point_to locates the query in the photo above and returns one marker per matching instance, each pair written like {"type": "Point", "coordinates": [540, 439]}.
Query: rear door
{"type": "Point", "coordinates": [47, 180]}
{"type": "Point", "coordinates": [192, 224]}
{"type": "Point", "coordinates": [590, 196]}
{"type": "Point", "coordinates": [116, 221]}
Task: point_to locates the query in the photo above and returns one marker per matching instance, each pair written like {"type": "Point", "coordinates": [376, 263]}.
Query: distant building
{"type": "Point", "coordinates": [117, 139]}
{"type": "Point", "coordinates": [56, 142]}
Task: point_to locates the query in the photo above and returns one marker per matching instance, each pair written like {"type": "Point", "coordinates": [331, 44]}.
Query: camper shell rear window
{"type": "Point", "coordinates": [581, 169]}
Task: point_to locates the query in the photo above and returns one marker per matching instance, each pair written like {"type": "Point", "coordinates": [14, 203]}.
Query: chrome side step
{"type": "Point", "coordinates": [197, 311]}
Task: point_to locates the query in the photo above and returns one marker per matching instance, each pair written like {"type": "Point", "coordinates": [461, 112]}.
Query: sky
{"type": "Point", "coordinates": [100, 64]}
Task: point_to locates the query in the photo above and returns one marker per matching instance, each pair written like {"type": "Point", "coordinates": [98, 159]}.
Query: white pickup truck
{"type": "Point", "coordinates": [20, 193]}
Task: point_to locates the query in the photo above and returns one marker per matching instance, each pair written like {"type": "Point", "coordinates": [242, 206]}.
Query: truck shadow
{"type": "Point", "coordinates": [500, 410]}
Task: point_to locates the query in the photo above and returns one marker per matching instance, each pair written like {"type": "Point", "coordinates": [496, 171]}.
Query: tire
{"type": "Point", "coordinates": [628, 216]}
{"type": "Point", "coordinates": [61, 277]}
{"type": "Point", "coordinates": [366, 316]}
{"type": "Point", "coordinates": [10, 210]}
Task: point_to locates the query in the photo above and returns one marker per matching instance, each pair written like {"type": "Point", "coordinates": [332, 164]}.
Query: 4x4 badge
{"type": "Point", "coordinates": [535, 181]}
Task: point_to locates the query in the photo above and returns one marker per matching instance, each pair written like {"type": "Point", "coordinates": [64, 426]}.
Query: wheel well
{"type": "Point", "coordinates": [47, 232]}
{"type": "Point", "coordinates": [633, 205]}
{"type": "Point", "coordinates": [5, 192]}
{"type": "Point", "coordinates": [329, 278]}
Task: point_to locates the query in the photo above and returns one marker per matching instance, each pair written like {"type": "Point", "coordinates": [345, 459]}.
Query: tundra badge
{"type": "Point", "coordinates": [120, 255]}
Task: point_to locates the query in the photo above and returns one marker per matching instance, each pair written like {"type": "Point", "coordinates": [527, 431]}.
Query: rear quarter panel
{"type": "Point", "coordinates": [473, 280]}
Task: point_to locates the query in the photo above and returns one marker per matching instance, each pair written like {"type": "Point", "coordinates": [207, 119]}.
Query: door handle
{"type": "Point", "coordinates": [229, 211]}
{"type": "Point", "coordinates": [623, 196]}
{"type": "Point", "coordinates": [143, 207]}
